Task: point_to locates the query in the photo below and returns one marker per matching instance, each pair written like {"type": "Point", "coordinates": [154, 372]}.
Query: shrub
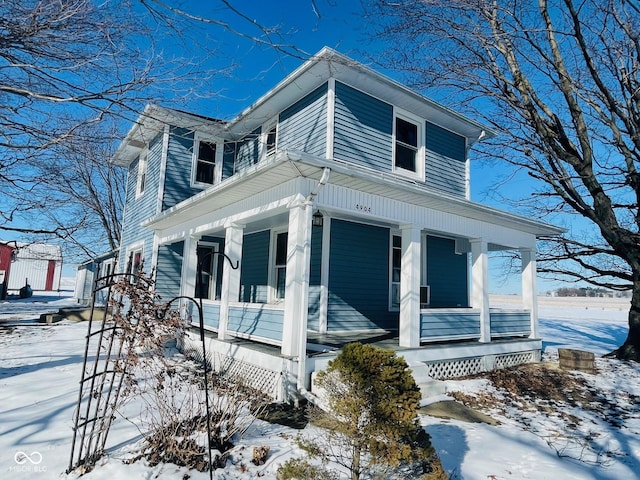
{"type": "Point", "coordinates": [372, 422]}
{"type": "Point", "coordinates": [299, 469]}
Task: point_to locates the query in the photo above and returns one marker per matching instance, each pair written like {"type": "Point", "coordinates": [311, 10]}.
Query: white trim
{"type": "Point", "coordinates": [529, 287]}
{"type": "Point", "coordinates": [263, 138]}
{"type": "Point", "coordinates": [154, 251]}
{"type": "Point", "coordinates": [390, 306]}
{"type": "Point", "coordinates": [201, 137]}
{"type": "Point", "coordinates": [233, 239]}
{"type": "Point", "coordinates": [409, 328]}
{"type": "Point", "coordinates": [189, 266]}
{"type": "Point", "coordinates": [272, 288]}
{"type": "Point", "coordinates": [163, 167]}
{"type": "Point", "coordinates": [331, 114]}
{"type": "Point", "coordinates": [143, 161]}
{"type": "Point", "coordinates": [420, 123]}
{"type": "Point", "coordinates": [480, 286]}
{"type": "Point", "coordinates": [215, 246]}
{"type": "Point", "coordinates": [323, 308]}
{"type": "Point", "coordinates": [132, 248]}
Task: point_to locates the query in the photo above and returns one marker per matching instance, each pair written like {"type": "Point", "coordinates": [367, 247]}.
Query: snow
{"type": "Point", "coordinates": [40, 369]}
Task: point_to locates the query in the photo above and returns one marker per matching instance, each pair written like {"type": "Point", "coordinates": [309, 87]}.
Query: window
{"type": "Point", "coordinates": [396, 258]}
{"type": "Point", "coordinates": [280, 264]}
{"type": "Point", "coordinates": [208, 262]}
{"type": "Point", "coordinates": [204, 159]}
{"type": "Point", "coordinates": [271, 140]}
{"type": "Point", "coordinates": [142, 174]}
{"type": "Point", "coordinates": [135, 262]}
{"type": "Point", "coordinates": [408, 146]}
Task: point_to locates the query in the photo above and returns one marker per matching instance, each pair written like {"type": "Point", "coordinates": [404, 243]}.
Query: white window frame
{"type": "Point", "coordinates": [392, 234]}
{"type": "Point", "coordinates": [273, 267]}
{"type": "Point", "coordinates": [217, 168]}
{"type": "Point", "coordinates": [142, 180]}
{"type": "Point", "coordinates": [215, 247]}
{"type": "Point", "coordinates": [264, 137]}
{"type": "Point", "coordinates": [420, 147]}
{"type": "Point", "coordinates": [131, 251]}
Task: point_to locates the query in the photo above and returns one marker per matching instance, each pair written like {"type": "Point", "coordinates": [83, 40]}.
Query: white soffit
{"type": "Point", "coordinates": [287, 166]}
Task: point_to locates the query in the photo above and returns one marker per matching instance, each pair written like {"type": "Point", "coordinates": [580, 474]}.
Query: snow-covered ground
{"type": "Point", "coordinates": [40, 368]}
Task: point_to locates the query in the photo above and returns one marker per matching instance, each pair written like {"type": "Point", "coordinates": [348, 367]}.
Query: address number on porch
{"type": "Point", "coordinates": [363, 208]}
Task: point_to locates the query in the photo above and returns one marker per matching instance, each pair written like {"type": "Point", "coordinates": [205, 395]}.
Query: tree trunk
{"type": "Point", "coordinates": [355, 465]}
{"type": "Point", "coordinates": [630, 349]}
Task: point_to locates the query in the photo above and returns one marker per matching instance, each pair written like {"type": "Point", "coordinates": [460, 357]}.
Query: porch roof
{"type": "Point", "coordinates": [289, 165]}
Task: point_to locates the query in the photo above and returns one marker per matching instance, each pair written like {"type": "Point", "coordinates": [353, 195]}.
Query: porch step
{"type": "Point", "coordinates": [429, 386]}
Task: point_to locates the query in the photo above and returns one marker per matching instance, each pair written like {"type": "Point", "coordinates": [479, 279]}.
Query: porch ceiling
{"type": "Point", "coordinates": [286, 166]}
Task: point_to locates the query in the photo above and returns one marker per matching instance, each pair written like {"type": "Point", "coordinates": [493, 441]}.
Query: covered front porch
{"type": "Point", "coordinates": [325, 257]}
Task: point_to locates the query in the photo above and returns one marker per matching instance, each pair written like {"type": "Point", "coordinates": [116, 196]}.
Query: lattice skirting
{"type": "Point", "coordinates": [470, 366]}
{"type": "Point", "coordinates": [258, 378]}
{"type": "Point", "coordinates": [262, 379]}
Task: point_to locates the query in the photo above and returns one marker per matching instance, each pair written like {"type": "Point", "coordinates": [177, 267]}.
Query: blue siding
{"type": "Point", "coordinates": [177, 184]}
{"type": "Point", "coordinates": [303, 126]}
{"type": "Point", "coordinates": [211, 314]}
{"type": "Point", "coordinates": [228, 159]}
{"type": "Point", "coordinates": [446, 143]}
{"type": "Point", "coordinates": [506, 323]}
{"type": "Point", "coordinates": [248, 150]}
{"type": "Point", "coordinates": [254, 271]}
{"type": "Point", "coordinates": [139, 209]}
{"type": "Point", "coordinates": [439, 325]}
{"type": "Point", "coordinates": [445, 160]}
{"type": "Point", "coordinates": [363, 128]}
{"type": "Point", "coordinates": [359, 278]}
{"type": "Point", "coordinates": [260, 322]}
{"type": "Point", "coordinates": [446, 273]}
{"type": "Point", "coordinates": [169, 270]}
{"type": "Point", "coordinates": [315, 271]}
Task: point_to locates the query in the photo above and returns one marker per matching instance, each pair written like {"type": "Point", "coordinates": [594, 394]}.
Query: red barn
{"type": "Point", "coordinates": [6, 252]}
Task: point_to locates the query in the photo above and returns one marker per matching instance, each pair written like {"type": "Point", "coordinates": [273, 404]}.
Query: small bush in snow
{"type": "Point", "coordinates": [372, 422]}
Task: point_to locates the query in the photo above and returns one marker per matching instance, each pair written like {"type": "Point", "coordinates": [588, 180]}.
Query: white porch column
{"type": "Point", "coordinates": [189, 266]}
{"type": "Point", "coordinates": [410, 287]}
{"type": "Point", "coordinates": [529, 287]}
{"type": "Point", "coordinates": [480, 286]}
{"type": "Point", "coordinates": [296, 296]}
{"type": "Point", "coordinates": [230, 277]}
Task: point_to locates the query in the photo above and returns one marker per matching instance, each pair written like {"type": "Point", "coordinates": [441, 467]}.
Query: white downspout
{"type": "Point", "coordinates": [302, 347]}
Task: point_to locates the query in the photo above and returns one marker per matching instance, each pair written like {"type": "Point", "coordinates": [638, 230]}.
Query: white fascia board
{"type": "Point", "coordinates": [282, 165]}
{"type": "Point", "coordinates": [151, 122]}
{"type": "Point", "coordinates": [452, 204]}
{"type": "Point", "coordinates": [328, 63]}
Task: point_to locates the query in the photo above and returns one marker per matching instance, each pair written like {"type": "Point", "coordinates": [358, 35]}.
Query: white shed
{"type": "Point", "coordinates": [38, 265]}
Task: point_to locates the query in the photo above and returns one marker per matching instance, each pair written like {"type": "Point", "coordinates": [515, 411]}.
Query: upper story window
{"type": "Point", "coordinates": [204, 161]}
{"type": "Point", "coordinates": [142, 174]}
{"type": "Point", "coordinates": [269, 139]}
{"type": "Point", "coordinates": [408, 154]}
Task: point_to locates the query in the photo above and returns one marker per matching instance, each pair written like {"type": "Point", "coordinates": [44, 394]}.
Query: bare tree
{"type": "Point", "coordinates": [66, 66]}
{"type": "Point", "coordinates": [559, 80]}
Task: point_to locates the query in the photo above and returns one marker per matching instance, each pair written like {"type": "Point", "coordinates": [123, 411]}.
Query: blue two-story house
{"type": "Point", "coordinates": [343, 196]}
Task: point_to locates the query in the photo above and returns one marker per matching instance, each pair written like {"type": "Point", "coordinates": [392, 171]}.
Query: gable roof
{"type": "Point", "coordinates": [328, 63]}
{"type": "Point", "coordinates": [152, 121]}
{"type": "Point", "coordinates": [316, 71]}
